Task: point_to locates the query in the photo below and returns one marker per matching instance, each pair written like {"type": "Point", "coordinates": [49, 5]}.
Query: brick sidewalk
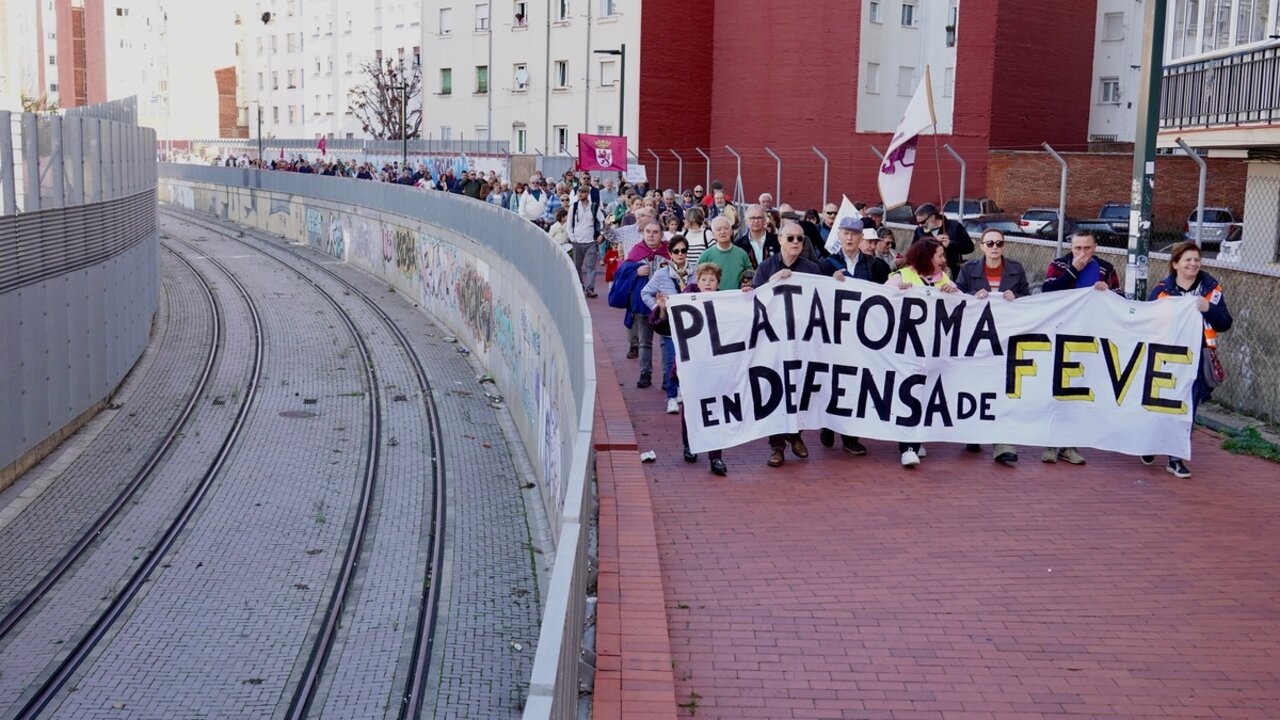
{"type": "Point", "coordinates": [840, 587]}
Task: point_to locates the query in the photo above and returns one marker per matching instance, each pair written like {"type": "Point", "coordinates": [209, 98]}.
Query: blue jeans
{"type": "Point", "coordinates": [668, 364]}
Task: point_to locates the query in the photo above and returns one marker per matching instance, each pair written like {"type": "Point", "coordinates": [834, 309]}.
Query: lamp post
{"type": "Point", "coordinates": [404, 119]}
{"type": "Point", "coordinates": [622, 84]}
{"type": "Point", "coordinates": [266, 21]}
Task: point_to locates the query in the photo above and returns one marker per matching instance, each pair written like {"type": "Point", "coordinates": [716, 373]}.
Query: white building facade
{"type": "Point", "coordinates": [899, 38]}
{"type": "Point", "coordinates": [524, 72]}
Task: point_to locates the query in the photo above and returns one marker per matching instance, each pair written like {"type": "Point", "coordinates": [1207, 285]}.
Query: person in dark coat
{"type": "Point", "coordinates": [955, 239]}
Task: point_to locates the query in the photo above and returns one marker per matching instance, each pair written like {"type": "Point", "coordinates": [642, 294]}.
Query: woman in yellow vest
{"type": "Point", "coordinates": [924, 266]}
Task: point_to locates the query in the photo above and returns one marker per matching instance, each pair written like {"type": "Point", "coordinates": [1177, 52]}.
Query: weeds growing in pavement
{"type": "Point", "coordinates": [1248, 441]}
{"type": "Point", "coordinates": [320, 507]}
{"type": "Point", "coordinates": [692, 704]}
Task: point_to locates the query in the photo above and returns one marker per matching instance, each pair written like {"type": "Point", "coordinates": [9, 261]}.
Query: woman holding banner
{"type": "Point", "coordinates": [670, 278]}
{"type": "Point", "coordinates": [925, 266]}
{"type": "Point", "coordinates": [641, 263]}
{"type": "Point", "coordinates": [1187, 278]}
{"type": "Point", "coordinates": [994, 274]}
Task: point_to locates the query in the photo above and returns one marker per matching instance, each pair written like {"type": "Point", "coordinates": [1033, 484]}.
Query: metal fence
{"type": "Point", "coordinates": [1237, 89]}
{"type": "Point", "coordinates": [51, 161]}
{"type": "Point", "coordinates": [124, 110]}
{"type": "Point", "coordinates": [342, 147]}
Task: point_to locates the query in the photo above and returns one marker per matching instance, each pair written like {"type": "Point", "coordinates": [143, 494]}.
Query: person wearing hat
{"type": "Point", "coordinates": [955, 239]}
{"type": "Point", "coordinates": [873, 217]}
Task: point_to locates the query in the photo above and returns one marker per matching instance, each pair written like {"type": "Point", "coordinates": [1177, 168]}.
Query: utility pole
{"type": "Point", "coordinates": [1144, 149]}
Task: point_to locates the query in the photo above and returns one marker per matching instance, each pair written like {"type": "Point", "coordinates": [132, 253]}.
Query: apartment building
{"type": "Point", "coordinates": [897, 41]}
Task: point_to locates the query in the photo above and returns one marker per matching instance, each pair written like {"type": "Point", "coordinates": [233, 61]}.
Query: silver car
{"type": "Point", "coordinates": [1219, 226]}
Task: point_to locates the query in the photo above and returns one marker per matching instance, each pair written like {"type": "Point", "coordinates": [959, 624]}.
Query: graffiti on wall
{"type": "Point", "coordinates": [405, 252]}
{"type": "Point", "coordinates": [475, 303]}
{"type": "Point", "coordinates": [362, 242]}
{"type": "Point", "coordinates": [550, 415]}
{"type": "Point", "coordinates": [439, 266]}
{"type": "Point", "coordinates": [336, 244]}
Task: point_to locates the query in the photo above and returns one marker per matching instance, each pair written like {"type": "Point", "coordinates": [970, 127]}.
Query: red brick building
{"type": "Point", "coordinates": [784, 75]}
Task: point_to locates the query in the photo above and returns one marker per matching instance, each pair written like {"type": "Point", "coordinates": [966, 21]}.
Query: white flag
{"type": "Point", "coordinates": [900, 159]}
{"type": "Point", "coordinates": [846, 210]}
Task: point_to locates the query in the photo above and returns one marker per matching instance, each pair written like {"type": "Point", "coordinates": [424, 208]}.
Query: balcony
{"type": "Point", "coordinates": [1236, 90]}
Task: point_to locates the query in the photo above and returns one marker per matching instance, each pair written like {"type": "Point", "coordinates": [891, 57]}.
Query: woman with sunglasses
{"type": "Point", "coordinates": [671, 277]}
{"type": "Point", "coordinates": [994, 274]}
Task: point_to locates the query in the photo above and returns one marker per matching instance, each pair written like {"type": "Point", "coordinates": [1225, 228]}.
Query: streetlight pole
{"type": "Point", "coordinates": [622, 84]}
{"type": "Point", "coordinates": [1144, 150]}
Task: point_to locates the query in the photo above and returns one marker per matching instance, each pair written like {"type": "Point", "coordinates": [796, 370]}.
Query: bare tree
{"type": "Point", "coordinates": [376, 101]}
{"type": "Point", "coordinates": [40, 104]}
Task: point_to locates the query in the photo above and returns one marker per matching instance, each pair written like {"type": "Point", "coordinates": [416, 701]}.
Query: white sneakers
{"type": "Point", "coordinates": [910, 459]}
{"type": "Point", "coordinates": [673, 406]}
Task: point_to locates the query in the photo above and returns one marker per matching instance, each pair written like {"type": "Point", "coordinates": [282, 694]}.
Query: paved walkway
{"type": "Point", "coordinates": [841, 587]}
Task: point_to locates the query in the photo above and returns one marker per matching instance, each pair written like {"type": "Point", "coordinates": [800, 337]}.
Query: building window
{"type": "Point", "coordinates": [608, 8]}
{"type": "Point", "coordinates": [910, 15]}
{"type": "Point", "coordinates": [604, 129]}
{"type": "Point", "coordinates": [562, 138]}
{"type": "Point", "coordinates": [949, 82]}
{"type": "Point", "coordinates": [518, 138]}
{"type": "Point", "coordinates": [446, 21]}
{"type": "Point", "coordinates": [417, 55]}
{"type": "Point", "coordinates": [291, 43]}
{"type": "Point", "coordinates": [482, 17]}
{"type": "Point", "coordinates": [260, 81]}
{"type": "Point", "coordinates": [1109, 91]}
{"type": "Point", "coordinates": [953, 22]}
{"type": "Point", "coordinates": [482, 132]}
{"type": "Point", "coordinates": [293, 77]}
{"type": "Point", "coordinates": [348, 29]}
{"type": "Point", "coordinates": [446, 81]}
{"type": "Point", "coordinates": [1113, 26]}
{"type": "Point", "coordinates": [520, 77]}
{"type": "Point", "coordinates": [275, 80]}
{"type": "Point", "coordinates": [53, 87]}
{"type": "Point", "coordinates": [293, 114]}
{"type": "Point", "coordinates": [275, 114]}
{"type": "Point", "coordinates": [561, 78]}
{"type": "Point", "coordinates": [562, 10]}
{"type": "Point", "coordinates": [482, 79]}
{"type": "Point", "coordinates": [608, 73]}
{"type": "Point", "coordinates": [275, 44]}
{"type": "Point", "coordinates": [873, 13]}
{"type": "Point", "coordinates": [446, 133]}
{"type": "Point", "coordinates": [1251, 21]}
{"type": "Point", "coordinates": [521, 15]}
{"type": "Point", "coordinates": [873, 78]}
{"type": "Point", "coordinates": [906, 81]}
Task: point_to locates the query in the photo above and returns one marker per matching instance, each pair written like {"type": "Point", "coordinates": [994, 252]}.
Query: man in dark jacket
{"type": "Point", "coordinates": [955, 239]}
{"type": "Point", "coordinates": [780, 266]}
{"type": "Point", "coordinates": [1078, 269]}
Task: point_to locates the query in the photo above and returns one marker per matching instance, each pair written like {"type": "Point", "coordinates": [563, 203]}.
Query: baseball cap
{"type": "Point", "coordinates": [850, 223]}
{"type": "Point", "coordinates": [876, 211]}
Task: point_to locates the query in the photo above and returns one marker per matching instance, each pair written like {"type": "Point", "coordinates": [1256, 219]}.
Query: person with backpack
{"type": "Point", "coordinates": [584, 225]}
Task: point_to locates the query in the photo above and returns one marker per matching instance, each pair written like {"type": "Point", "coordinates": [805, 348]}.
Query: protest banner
{"type": "Point", "coordinates": [1074, 368]}
{"type": "Point", "coordinates": [602, 153]}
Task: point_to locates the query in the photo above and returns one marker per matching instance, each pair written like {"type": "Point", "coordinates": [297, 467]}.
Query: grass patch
{"type": "Point", "coordinates": [1248, 441]}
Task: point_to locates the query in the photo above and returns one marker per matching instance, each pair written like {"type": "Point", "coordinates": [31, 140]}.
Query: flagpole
{"type": "Point", "coordinates": [937, 169]}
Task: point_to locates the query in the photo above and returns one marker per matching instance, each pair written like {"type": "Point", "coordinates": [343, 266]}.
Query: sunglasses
{"type": "Point", "coordinates": [993, 243]}
{"type": "Point", "coordinates": [678, 251]}
{"type": "Point", "coordinates": [793, 238]}
{"type": "Point", "coordinates": [830, 214]}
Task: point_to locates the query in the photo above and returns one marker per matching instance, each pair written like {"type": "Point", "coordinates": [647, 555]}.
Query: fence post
{"type": "Point", "coordinates": [879, 154]}
{"type": "Point", "coordinates": [960, 160]}
{"type": "Point", "coordinates": [657, 170]}
{"type": "Point", "coordinates": [777, 198]}
{"type": "Point", "coordinates": [707, 187]}
{"type": "Point", "coordinates": [1062, 195]}
{"type": "Point", "coordinates": [679, 171]}
{"type": "Point", "coordinates": [57, 178]}
{"type": "Point", "coordinates": [1204, 172]}
{"type": "Point", "coordinates": [737, 184]}
{"type": "Point", "coordinates": [8, 193]}
{"type": "Point", "coordinates": [826, 168]}
{"type": "Point", "coordinates": [31, 159]}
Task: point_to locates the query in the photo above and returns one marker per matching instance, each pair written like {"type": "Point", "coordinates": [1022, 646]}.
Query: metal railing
{"type": "Point", "coordinates": [271, 147]}
{"type": "Point", "coordinates": [1238, 89]}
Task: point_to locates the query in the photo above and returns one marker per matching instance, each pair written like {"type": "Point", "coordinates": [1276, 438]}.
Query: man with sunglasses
{"type": "Point", "coordinates": [828, 222]}
{"type": "Point", "coordinates": [756, 239]}
{"type": "Point", "coordinates": [778, 267]}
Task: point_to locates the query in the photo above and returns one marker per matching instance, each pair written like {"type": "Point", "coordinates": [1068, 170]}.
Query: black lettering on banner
{"type": "Point", "coordinates": [986, 399]}
{"type": "Point", "coordinates": [1157, 379]}
{"type": "Point", "coordinates": [789, 368]}
{"type": "Point", "coordinates": [914, 312]}
{"type": "Point", "coordinates": [966, 406]}
{"type": "Point", "coordinates": [686, 322]}
{"type": "Point", "coordinates": [938, 406]}
{"type": "Point", "coordinates": [1121, 378]}
{"type": "Point", "coordinates": [811, 383]}
{"type": "Point", "coordinates": [881, 398]}
{"type": "Point", "coordinates": [713, 325]}
{"type": "Point", "coordinates": [985, 330]}
{"type": "Point", "coordinates": [704, 406]}
{"type": "Point", "coordinates": [839, 391]}
{"type": "Point", "coordinates": [760, 321]}
{"type": "Point", "coordinates": [761, 405]}
{"type": "Point", "coordinates": [842, 297]}
{"type": "Point", "coordinates": [947, 325]}
{"type": "Point", "coordinates": [907, 397]}
{"type": "Point", "coordinates": [818, 320]}
{"type": "Point", "coordinates": [875, 301]}
{"type": "Point", "coordinates": [1018, 367]}
{"type": "Point", "coordinates": [788, 293]}
{"type": "Point", "coordinates": [1065, 369]}
{"type": "Point", "coordinates": [732, 407]}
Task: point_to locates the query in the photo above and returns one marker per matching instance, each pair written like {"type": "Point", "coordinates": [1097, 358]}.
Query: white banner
{"type": "Point", "coordinates": [1073, 368]}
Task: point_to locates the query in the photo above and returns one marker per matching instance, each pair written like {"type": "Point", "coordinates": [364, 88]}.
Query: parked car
{"type": "Point", "coordinates": [972, 208]}
{"type": "Point", "coordinates": [1117, 215]}
{"type": "Point", "coordinates": [904, 214]}
{"type": "Point", "coordinates": [1219, 226]}
{"type": "Point", "coordinates": [1034, 218]}
{"type": "Point", "coordinates": [1103, 232]}
{"type": "Point", "coordinates": [1007, 224]}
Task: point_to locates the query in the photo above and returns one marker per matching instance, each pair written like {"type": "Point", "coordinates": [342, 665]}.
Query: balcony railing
{"type": "Point", "coordinates": [1240, 89]}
